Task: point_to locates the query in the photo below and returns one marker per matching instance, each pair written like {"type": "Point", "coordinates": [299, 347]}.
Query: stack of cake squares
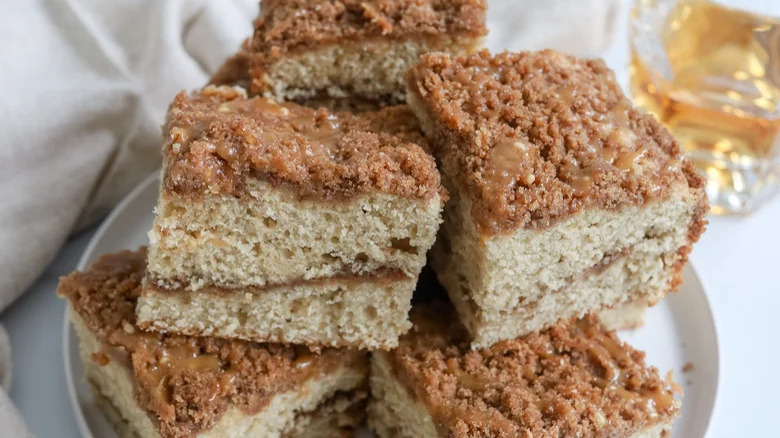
{"type": "Point", "coordinates": [302, 192]}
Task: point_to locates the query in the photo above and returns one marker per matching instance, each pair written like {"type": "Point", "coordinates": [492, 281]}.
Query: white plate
{"type": "Point", "coordinates": [679, 330]}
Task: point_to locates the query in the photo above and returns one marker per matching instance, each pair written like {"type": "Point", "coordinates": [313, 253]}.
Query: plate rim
{"type": "Point", "coordinates": [88, 253]}
{"type": "Point", "coordinates": [84, 260]}
{"type": "Point", "coordinates": [713, 327]}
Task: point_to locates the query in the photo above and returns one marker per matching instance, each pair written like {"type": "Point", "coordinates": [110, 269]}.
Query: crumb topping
{"type": "Point", "coordinates": [216, 138]}
{"type": "Point", "coordinates": [185, 383]}
{"type": "Point", "coordinates": [574, 379]}
{"type": "Point", "coordinates": [290, 25]}
{"type": "Point", "coordinates": [235, 70]}
{"type": "Point", "coordinates": [537, 136]}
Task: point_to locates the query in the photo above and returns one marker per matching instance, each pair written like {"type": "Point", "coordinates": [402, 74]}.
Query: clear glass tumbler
{"type": "Point", "coordinates": [711, 74]}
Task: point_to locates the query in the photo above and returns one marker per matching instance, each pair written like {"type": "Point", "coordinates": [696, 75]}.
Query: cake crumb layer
{"type": "Point", "coordinates": [361, 313]}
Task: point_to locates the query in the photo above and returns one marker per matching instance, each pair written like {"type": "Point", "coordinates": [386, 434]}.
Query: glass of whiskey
{"type": "Point", "coordinates": [711, 74]}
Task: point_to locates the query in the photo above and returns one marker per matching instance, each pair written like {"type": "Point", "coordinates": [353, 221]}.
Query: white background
{"type": "Point", "coordinates": [738, 260]}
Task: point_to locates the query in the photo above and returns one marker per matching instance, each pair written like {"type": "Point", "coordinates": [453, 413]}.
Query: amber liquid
{"type": "Point", "coordinates": [719, 95]}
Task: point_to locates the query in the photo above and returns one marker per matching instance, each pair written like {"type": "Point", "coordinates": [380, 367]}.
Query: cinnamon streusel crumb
{"type": "Point", "coordinates": [574, 379]}
{"type": "Point", "coordinates": [235, 70]}
{"type": "Point", "coordinates": [537, 136]}
{"type": "Point", "coordinates": [216, 138]}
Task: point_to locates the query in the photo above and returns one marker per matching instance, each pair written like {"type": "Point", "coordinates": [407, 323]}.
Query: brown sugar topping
{"type": "Point", "coordinates": [287, 26]}
{"type": "Point", "coordinates": [235, 70]}
{"type": "Point", "coordinates": [574, 379]}
{"type": "Point", "coordinates": [537, 136]}
{"type": "Point", "coordinates": [217, 138]}
{"type": "Point", "coordinates": [185, 383]}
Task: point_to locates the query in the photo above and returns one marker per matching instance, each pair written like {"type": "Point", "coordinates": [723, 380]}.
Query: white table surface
{"type": "Point", "coordinates": [738, 260]}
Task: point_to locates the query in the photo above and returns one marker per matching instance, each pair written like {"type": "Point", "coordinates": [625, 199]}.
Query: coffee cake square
{"type": "Point", "coordinates": [346, 48]}
{"type": "Point", "coordinates": [574, 379]}
{"type": "Point", "coordinates": [565, 200]}
{"type": "Point", "coordinates": [156, 385]}
{"type": "Point", "coordinates": [282, 223]}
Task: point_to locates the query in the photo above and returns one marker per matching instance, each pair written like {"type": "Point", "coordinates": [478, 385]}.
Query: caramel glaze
{"type": "Point", "coordinates": [217, 138]}
{"type": "Point", "coordinates": [534, 137]}
{"type": "Point", "coordinates": [186, 383]}
{"type": "Point", "coordinates": [574, 379]}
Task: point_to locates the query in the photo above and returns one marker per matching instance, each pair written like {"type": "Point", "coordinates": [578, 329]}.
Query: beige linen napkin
{"type": "Point", "coordinates": [85, 88]}
{"type": "Point", "coordinates": [86, 83]}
